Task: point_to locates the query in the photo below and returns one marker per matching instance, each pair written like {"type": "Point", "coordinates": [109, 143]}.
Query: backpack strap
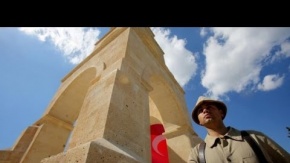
{"type": "Point", "coordinates": [254, 146]}
{"type": "Point", "coordinates": [201, 151]}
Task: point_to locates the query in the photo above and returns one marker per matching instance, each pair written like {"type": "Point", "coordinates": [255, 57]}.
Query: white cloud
{"type": "Point", "coordinates": [285, 48]}
{"type": "Point", "coordinates": [234, 57]}
{"type": "Point", "coordinates": [179, 60]}
{"type": "Point", "coordinates": [75, 43]}
{"type": "Point", "coordinates": [284, 52]}
{"type": "Point", "coordinates": [203, 32]}
{"type": "Point", "coordinates": [271, 82]}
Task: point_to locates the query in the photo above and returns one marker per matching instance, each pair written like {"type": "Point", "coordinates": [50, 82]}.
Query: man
{"type": "Point", "coordinates": [226, 144]}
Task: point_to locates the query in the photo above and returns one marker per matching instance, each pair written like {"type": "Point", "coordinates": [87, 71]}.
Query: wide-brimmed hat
{"type": "Point", "coordinates": [201, 100]}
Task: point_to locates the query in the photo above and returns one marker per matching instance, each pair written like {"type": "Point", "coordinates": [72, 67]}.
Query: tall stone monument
{"type": "Point", "coordinates": [104, 107]}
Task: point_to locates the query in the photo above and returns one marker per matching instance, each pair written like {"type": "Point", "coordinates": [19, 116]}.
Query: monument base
{"type": "Point", "coordinates": [99, 150]}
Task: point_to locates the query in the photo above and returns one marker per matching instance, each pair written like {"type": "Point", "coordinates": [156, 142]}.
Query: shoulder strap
{"type": "Point", "coordinates": [201, 152]}
{"type": "Point", "coordinates": [254, 146]}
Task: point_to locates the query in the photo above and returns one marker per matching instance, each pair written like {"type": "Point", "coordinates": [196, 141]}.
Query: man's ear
{"type": "Point", "coordinates": [222, 113]}
{"type": "Point", "coordinates": [199, 123]}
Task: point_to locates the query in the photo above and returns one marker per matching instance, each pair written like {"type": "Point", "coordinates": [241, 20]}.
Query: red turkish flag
{"type": "Point", "coordinates": [158, 144]}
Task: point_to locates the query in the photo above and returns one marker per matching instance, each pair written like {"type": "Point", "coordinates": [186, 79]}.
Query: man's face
{"type": "Point", "coordinates": [209, 114]}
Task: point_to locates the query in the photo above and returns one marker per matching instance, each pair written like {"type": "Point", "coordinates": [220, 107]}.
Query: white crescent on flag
{"type": "Point", "coordinates": [156, 142]}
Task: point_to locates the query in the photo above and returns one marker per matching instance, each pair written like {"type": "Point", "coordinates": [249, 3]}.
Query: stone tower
{"type": "Point", "coordinates": [104, 107]}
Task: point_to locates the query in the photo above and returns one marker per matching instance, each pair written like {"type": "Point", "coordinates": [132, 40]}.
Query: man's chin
{"type": "Point", "coordinates": [207, 121]}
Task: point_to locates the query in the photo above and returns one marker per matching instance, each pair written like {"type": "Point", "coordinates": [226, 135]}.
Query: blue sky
{"type": "Point", "coordinates": [247, 68]}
